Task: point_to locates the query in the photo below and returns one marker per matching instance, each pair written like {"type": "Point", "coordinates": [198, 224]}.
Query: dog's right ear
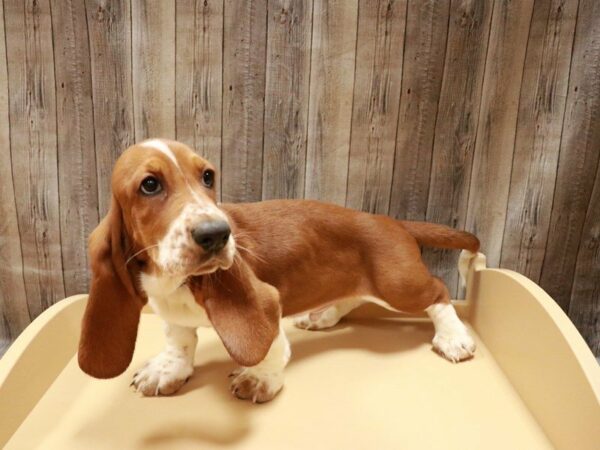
{"type": "Point", "coordinates": [112, 314]}
{"type": "Point", "coordinates": [243, 310]}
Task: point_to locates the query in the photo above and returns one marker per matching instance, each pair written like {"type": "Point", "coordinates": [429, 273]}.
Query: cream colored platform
{"type": "Point", "coordinates": [366, 384]}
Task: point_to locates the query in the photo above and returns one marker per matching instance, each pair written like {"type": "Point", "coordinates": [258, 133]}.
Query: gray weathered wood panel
{"type": "Point", "coordinates": [537, 142]}
{"type": "Point", "coordinates": [199, 71]}
{"type": "Point", "coordinates": [109, 29]}
{"type": "Point", "coordinates": [286, 98]}
{"type": "Point", "coordinates": [424, 53]}
{"type": "Point", "coordinates": [494, 145]}
{"type": "Point", "coordinates": [14, 310]}
{"type": "Point", "coordinates": [331, 92]}
{"type": "Point", "coordinates": [32, 118]}
{"type": "Point", "coordinates": [244, 60]}
{"type": "Point", "coordinates": [379, 49]}
{"type": "Point", "coordinates": [78, 195]}
{"type": "Point", "coordinates": [585, 294]}
{"type": "Point", "coordinates": [456, 127]}
{"type": "Point", "coordinates": [153, 63]}
{"type": "Point", "coordinates": [578, 160]}
{"type": "Point", "coordinates": [584, 306]}
{"type": "Point", "coordinates": [481, 115]}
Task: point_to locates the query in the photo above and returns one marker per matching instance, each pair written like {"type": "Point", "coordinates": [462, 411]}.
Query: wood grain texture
{"type": "Point", "coordinates": [424, 50]}
{"type": "Point", "coordinates": [579, 156]}
{"type": "Point", "coordinates": [14, 313]}
{"type": "Point", "coordinates": [585, 295]}
{"type": "Point", "coordinates": [482, 115]}
{"type": "Point", "coordinates": [331, 92]}
{"type": "Point", "coordinates": [488, 192]}
{"type": "Point", "coordinates": [379, 52]}
{"type": "Point", "coordinates": [109, 29]}
{"type": "Point", "coordinates": [78, 193]}
{"type": "Point", "coordinates": [584, 308]}
{"type": "Point", "coordinates": [537, 144]}
{"type": "Point", "coordinates": [286, 98]}
{"type": "Point", "coordinates": [199, 71]}
{"type": "Point", "coordinates": [244, 49]}
{"type": "Point", "coordinates": [32, 101]}
{"type": "Point", "coordinates": [456, 127]}
{"type": "Point", "coordinates": [4, 343]}
{"type": "Point", "coordinates": [153, 63]}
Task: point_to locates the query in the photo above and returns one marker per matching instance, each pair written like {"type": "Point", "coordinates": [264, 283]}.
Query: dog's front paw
{"type": "Point", "coordinates": [455, 347]}
{"type": "Point", "coordinates": [257, 385]}
{"type": "Point", "coordinates": [164, 374]}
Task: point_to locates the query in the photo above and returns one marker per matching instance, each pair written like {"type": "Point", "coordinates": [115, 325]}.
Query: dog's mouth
{"type": "Point", "coordinates": [207, 267]}
{"type": "Point", "coordinates": [209, 263]}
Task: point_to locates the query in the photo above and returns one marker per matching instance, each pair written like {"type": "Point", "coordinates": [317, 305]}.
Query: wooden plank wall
{"type": "Point", "coordinates": [482, 115]}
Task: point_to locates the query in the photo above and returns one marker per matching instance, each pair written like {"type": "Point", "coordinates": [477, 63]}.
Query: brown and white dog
{"type": "Point", "coordinates": [240, 268]}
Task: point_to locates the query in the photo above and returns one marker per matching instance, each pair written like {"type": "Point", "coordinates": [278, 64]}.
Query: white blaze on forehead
{"type": "Point", "coordinates": [162, 147]}
{"type": "Point", "coordinates": [205, 207]}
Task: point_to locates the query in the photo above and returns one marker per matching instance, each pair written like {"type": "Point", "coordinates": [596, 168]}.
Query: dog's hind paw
{"type": "Point", "coordinates": [455, 347]}
{"type": "Point", "coordinates": [318, 320]}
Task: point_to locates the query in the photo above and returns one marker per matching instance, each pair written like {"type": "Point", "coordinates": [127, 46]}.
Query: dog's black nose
{"type": "Point", "coordinates": [212, 236]}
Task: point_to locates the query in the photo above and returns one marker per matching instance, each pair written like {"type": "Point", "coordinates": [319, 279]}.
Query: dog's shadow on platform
{"type": "Point", "coordinates": [370, 335]}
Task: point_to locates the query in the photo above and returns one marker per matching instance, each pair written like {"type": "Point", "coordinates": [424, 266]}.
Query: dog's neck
{"type": "Point", "coordinates": [160, 286]}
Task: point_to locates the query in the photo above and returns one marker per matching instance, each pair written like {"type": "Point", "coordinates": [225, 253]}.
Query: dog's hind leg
{"type": "Point", "coordinates": [452, 339]}
{"type": "Point", "coordinates": [329, 316]}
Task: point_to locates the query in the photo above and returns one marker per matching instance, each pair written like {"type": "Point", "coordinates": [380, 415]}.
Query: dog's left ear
{"type": "Point", "coordinates": [244, 311]}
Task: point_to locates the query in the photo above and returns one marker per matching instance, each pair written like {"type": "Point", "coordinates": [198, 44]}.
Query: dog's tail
{"type": "Point", "coordinates": [441, 236]}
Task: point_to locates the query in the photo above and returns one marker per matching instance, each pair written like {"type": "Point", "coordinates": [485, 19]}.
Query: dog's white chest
{"type": "Point", "coordinates": [178, 307]}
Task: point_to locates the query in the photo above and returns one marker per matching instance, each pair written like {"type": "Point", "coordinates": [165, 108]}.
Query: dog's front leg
{"type": "Point", "coordinates": [262, 382]}
{"type": "Point", "coordinates": [168, 371]}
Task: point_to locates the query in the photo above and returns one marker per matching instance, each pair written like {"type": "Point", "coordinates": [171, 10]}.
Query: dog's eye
{"type": "Point", "coordinates": [150, 186]}
{"type": "Point", "coordinates": [208, 178]}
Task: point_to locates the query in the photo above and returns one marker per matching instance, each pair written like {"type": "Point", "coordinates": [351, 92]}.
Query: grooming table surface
{"type": "Point", "coordinates": [372, 382]}
{"type": "Point", "coordinates": [364, 384]}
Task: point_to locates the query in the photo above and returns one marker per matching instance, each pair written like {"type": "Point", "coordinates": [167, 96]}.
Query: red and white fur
{"type": "Point", "coordinates": [313, 261]}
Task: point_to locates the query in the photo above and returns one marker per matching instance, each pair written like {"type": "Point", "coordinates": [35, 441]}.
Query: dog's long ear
{"type": "Point", "coordinates": [112, 314]}
{"type": "Point", "coordinates": [244, 311]}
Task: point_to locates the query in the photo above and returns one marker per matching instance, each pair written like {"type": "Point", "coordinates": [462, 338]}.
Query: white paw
{"type": "Point", "coordinates": [318, 320]}
{"type": "Point", "coordinates": [162, 375]}
{"type": "Point", "coordinates": [254, 384]}
{"type": "Point", "coordinates": [455, 347]}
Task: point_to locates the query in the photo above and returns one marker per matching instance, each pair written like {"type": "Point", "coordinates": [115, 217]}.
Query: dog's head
{"type": "Point", "coordinates": [165, 195]}
{"type": "Point", "coordinates": [163, 220]}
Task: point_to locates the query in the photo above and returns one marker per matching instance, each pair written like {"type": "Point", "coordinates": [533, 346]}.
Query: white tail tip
{"type": "Point", "coordinates": [464, 262]}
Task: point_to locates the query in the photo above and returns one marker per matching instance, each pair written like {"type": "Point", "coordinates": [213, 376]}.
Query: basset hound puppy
{"type": "Point", "coordinates": [242, 267]}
